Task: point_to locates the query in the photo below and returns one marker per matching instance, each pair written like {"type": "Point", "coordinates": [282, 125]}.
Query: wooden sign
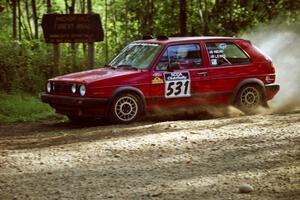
{"type": "Point", "coordinates": [72, 28]}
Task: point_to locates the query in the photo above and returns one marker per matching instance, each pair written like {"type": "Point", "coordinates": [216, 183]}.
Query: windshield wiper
{"type": "Point", "coordinates": [127, 67]}
{"type": "Point", "coordinates": [109, 66]}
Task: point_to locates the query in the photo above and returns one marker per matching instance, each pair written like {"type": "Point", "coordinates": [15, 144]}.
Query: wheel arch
{"type": "Point", "coordinates": [249, 81]}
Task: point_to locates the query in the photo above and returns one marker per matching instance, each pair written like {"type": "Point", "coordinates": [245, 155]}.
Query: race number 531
{"type": "Point", "coordinates": [177, 84]}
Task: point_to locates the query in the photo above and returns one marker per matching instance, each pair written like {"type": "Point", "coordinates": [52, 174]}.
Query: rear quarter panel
{"type": "Point", "coordinates": [226, 78]}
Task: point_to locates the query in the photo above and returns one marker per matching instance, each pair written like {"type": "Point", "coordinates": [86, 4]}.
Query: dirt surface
{"type": "Point", "coordinates": [184, 159]}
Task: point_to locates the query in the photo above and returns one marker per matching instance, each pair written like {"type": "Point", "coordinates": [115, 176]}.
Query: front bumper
{"type": "Point", "coordinates": [271, 91]}
{"type": "Point", "coordinates": [76, 106]}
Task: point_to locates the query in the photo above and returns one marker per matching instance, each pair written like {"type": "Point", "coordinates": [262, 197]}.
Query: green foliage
{"type": "Point", "coordinates": [20, 67]}
{"type": "Point", "coordinates": [19, 108]}
{"type": "Point", "coordinates": [26, 65]}
{"type": "Point", "coordinates": [232, 17]}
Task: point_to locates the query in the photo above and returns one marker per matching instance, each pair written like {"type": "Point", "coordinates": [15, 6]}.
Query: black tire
{"type": "Point", "coordinates": [125, 108]}
{"type": "Point", "coordinates": [249, 98]}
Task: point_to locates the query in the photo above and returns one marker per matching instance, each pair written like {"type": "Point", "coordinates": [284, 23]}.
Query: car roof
{"type": "Point", "coordinates": [183, 39]}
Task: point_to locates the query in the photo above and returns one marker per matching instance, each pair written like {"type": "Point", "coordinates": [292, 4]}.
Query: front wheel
{"type": "Point", "coordinates": [125, 108]}
{"type": "Point", "coordinates": [249, 98]}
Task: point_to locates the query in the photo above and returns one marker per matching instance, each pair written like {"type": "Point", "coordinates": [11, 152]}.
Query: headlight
{"type": "Point", "coordinates": [73, 88]}
{"type": "Point", "coordinates": [82, 90]}
{"type": "Point", "coordinates": [48, 87]}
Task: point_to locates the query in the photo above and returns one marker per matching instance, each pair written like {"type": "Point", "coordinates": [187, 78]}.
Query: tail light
{"type": "Point", "coordinates": [273, 70]}
{"type": "Point", "coordinates": [271, 77]}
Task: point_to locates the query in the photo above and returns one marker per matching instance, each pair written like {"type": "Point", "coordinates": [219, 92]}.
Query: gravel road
{"type": "Point", "coordinates": [184, 159]}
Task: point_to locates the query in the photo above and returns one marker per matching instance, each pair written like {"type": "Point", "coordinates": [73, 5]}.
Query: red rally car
{"type": "Point", "coordinates": [162, 72]}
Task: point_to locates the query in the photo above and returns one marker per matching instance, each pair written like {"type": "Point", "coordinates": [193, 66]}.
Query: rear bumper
{"type": "Point", "coordinates": [271, 91]}
{"type": "Point", "coordinates": [76, 106]}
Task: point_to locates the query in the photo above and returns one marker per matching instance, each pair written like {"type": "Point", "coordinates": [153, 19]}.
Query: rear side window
{"type": "Point", "coordinates": [226, 53]}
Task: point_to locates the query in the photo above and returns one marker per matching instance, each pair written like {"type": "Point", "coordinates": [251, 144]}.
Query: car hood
{"type": "Point", "coordinates": [94, 75]}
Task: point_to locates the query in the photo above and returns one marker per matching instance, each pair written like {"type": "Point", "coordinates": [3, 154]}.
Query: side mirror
{"type": "Point", "coordinates": [173, 66]}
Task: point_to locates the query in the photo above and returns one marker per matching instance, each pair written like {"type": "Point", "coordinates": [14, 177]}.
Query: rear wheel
{"type": "Point", "coordinates": [249, 98]}
{"type": "Point", "coordinates": [125, 108]}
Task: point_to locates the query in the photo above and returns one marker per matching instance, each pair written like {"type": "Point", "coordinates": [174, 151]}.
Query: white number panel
{"type": "Point", "coordinates": [177, 84]}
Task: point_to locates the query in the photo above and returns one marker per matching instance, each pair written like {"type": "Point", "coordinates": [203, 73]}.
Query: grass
{"type": "Point", "coordinates": [22, 108]}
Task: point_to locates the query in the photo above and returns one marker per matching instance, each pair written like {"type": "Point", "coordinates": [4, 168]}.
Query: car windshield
{"type": "Point", "coordinates": [136, 55]}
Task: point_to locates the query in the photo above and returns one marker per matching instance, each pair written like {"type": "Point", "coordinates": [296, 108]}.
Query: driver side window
{"type": "Point", "coordinates": [187, 56]}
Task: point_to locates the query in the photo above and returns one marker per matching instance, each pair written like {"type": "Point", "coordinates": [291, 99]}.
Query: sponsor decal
{"type": "Point", "coordinates": [214, 61]}
{"type": "Point", "coordinates": [216, 53]}
{"type": "Point", "coordinates": [222, 46]}
{"type": "Point", "coordinates": [157, 80]}
{"type": "Point", "coordinates": [157, 74]}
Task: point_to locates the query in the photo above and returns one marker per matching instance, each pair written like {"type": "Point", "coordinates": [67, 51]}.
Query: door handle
{"type": "Point", "coordinates": [202, 73]}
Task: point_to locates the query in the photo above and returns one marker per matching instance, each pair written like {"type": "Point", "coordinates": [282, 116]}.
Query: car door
{"type": "Point", "coordinates": [188, 81]}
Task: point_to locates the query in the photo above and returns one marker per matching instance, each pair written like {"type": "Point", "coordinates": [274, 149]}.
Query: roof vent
{"type": "Point", "coordinates": [148, 37]}
{"type": "Point", "coordinates": [162, 37]}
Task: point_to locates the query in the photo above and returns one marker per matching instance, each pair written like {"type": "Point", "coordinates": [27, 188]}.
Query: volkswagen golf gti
{"type": "Point", "coordinates": [167, 73]}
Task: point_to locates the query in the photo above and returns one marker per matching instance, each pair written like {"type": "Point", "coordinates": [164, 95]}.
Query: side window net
{"type": "Point", "coordinates": [226, 53]}
{"type": "Point", "coordinates": [186, 56]}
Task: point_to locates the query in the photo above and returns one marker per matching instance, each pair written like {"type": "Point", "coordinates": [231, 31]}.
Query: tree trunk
{"type": "Point", "coordinates": [56, 47]}
{"type": "Point", "coordinates": [201, 15]}
{"type": "Point", "coordinates": [66, 6]}
{"type": "Point", "coordinates": [106, 39]}
{"type": "Point", "coordinates": [192, 29]}
{"type": "Point", "coordinates": [216, 6]}
{"type": "Point", "coordinates": [19, 20]}
{"type": "Point", "coordinates": [126, 22]}
{"type": "Point", "coordinates": [82, 5]}
{"type": "Point", "coordinates": [28, 18]}
{"type": "Point", "coordinates": [73, 45]}
{"type": "Point", "coordinates": [49, 6]}
{"type": "Point", "coordinates": [206, 18]}
{"type": "Point", "coordinates": [56, 56]}
{"type": "Point", "coordinates": [183, 18]}
{"type": "Point", "coordinates": [25, 28]}
{"type": "Point", "coordinates": [146, 27]}
{"type": "Point", "coordinates": [114, 22]}
{"type": "Point", "coordinates": [14, 9]}
{"type": "Point", "coordinates": [35, 19]}
{"type": "Point", "coordinates": [72, 7]}
{"type": "Point", "coordinates": [91, 48]}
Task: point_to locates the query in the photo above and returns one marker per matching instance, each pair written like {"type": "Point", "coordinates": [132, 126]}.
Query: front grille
{"type": "Point", "coordinates": [62, 87]}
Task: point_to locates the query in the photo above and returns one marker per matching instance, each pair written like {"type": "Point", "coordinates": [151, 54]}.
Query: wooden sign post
{"type": "Point", "coordinates": [72, 28]}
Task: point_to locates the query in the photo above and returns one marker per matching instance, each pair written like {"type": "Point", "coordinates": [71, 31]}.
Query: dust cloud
{"type": "Point", "coordinates": [281, 42]}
